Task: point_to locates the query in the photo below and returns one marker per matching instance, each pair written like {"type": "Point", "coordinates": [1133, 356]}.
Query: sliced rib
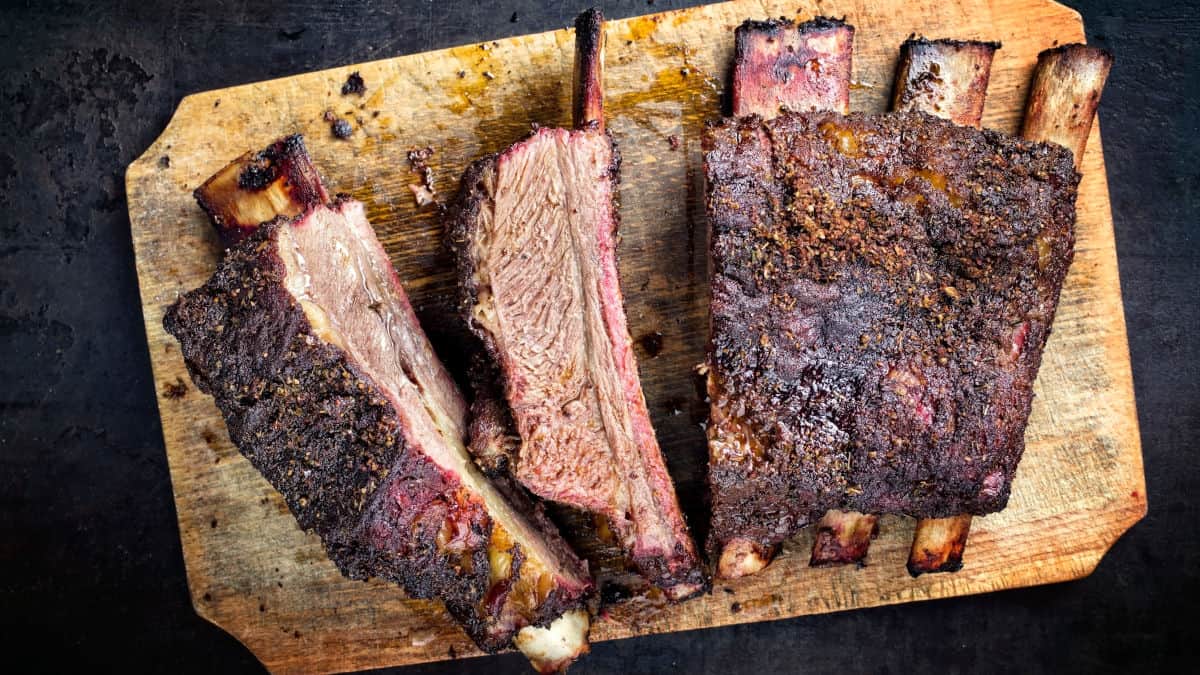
{"type": "Point", "coordinates": [534, 230]}
{"type": "Point", "coordinates": [778, 65]}
{"type": "Point", "coordinates": [329, 386]}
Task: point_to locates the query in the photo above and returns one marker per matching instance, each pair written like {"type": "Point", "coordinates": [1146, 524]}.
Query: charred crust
{"type": "Point", "coordinates": [354, 85]}
{"type": "Point", "coordinates": [807, 220]}
{"type": "Point", "coordinates": [921, 41]}
{"type": "Point", "coordinates": [340, 128]}
{"type": "Point", "coordinates": [461, 215]}
{"type": "Point", "coordinates": [587, 96]}
{"type": "Point", "coordinates": [679, 569]}
{"type": "Point", "coordinates": [257, 176]}
{"type": "Point", "coordinates": [493, 437]}
{"type": "Point", "coordinates": [774, 26]}
{"type": "Point", "coordinates": [1077, 50]}
{"type": "Point", "coordinates": [931, 565]}
{"type": "Point", "coordinates": [589, 30]}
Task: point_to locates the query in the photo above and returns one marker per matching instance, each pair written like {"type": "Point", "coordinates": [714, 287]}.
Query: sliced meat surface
{"type": "Point", "coordinates": [883, 288]}
{"type": "Point", "coordinates": [535, 233]}
{"type": "Point", "coordinates": [329, 386]}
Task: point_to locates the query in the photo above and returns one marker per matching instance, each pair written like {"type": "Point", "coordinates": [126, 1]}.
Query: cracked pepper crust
{"type": "Point", "coordinates": [883, 288]}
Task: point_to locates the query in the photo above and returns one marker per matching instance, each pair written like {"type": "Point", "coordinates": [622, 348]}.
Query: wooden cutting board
{"type": "Point", "coordinates": [255, 574]}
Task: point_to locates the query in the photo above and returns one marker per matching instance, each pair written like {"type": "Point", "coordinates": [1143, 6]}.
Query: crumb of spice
{"type": "Point", "coordinates": [354, 85]}
{"type": "Point", "coordinates": [175, 390]}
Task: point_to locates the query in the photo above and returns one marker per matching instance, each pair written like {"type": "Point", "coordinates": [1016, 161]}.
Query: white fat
{"type": "Point", "coordinates": [741, 558]}
{"type": "Point", "coordinates": [555, 647]}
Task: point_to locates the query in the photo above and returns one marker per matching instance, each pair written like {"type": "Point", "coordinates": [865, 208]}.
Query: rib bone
{"type": "Point", "coordinates": [781, 65]}
{"type": "Point", "coordinates": [948, 79]}
{"type": "Point", "coordinates": [1062, 102]}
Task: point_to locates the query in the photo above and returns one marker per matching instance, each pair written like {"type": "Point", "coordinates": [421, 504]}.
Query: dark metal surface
{"type": "Point", "coordinates": [91, 574]}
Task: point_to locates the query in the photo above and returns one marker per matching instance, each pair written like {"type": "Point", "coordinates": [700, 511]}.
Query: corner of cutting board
{"type": "Point", "coordinates": [1041, 6]}
{"type": "Point", "coordinates": [146, 162]}
{"type": "Point", "coordinates": [205, 613]}
{"type": "Point", "coordinates": [1070, 11]}
{"type": "Point", "coordinates": [1121, 524]}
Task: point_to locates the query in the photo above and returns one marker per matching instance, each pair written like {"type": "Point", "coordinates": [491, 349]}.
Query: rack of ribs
{"type": "Point", "coordinates": [883, 286]}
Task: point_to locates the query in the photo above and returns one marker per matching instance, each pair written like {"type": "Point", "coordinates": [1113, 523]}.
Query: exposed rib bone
{"type": "Point", "coordinates": [778, 64]}
{"type": "Point", "coordinates": [945, 78]}
{"type": "Point", "coordinates": [259, 186]}
{"type": "Point", "coordinates": [1064, 94]}
{"type": "Point", "coordinates": [587, 96]}
{"type": "Point", "coordinates": [843, 537]}
{"type": "Point", "coordinates": [938, 544]}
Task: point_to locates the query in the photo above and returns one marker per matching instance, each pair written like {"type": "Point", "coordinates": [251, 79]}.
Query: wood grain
{"type": "Point", "coordinates": [255, 574]}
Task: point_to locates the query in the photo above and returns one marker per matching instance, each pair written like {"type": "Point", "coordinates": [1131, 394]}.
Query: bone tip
{"type": "Point", "coordinates": [823, 23]}
{"type": "Point", "coordinates": [771, 27]}
{"type": "Point", "coordinates": [550, 649]}
{"type": "Point", "coordinates": [683, 591]}
{"type": "Point", "coordinates": [930, 562]}
{"type": "Point", "coordinates": [827, 551]}
{"type": "Point", "coordinates": [590, 21]}
{"type": "Point", "coordinates": [741, 558]}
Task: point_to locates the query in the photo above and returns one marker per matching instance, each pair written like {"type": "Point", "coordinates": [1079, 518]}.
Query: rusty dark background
{"type": "Point", "coordinates": [91, 574]}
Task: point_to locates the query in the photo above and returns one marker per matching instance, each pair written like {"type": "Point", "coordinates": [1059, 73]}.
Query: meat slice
{"type": "Point", "coordinates": [883, 286]}
{"type": "Point", "coordinates": [328, 385]}
{"type": "Point", "coordinates": [534, 230]}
